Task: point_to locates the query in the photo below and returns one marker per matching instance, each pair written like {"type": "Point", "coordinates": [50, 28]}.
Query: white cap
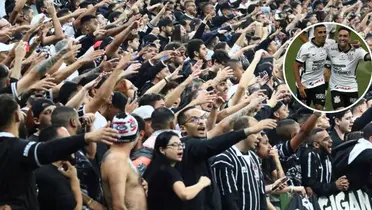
{"type": "Point", "coordinates": [144, 112]}
{"type": "Point", "coordinates": [6, 47]}
{"type": "Point", "coordinates": [37, 17]}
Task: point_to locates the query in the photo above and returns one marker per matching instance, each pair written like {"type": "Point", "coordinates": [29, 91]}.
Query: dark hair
{"type": "Point", "coordinates": [181, 117]}
{"type": "Point", "coordinates": [86, 19]}
{"type": "Point", "coordinates": [160, 118]}
{"type": "Point", "coordinates": [169, 86]}
{"type": "Point", "coordinates": [4, 71]}
{"type": "Point", "coordinates": [367, 131]}
{"type": "Point", "coordinates": [149, 99]}
{"type": "Point", "coordinates": [26, 10]}
{"type": "Point", "coordinates": [63, 12]}
{"type": "Point", "coordinates": [9, 9]}
{"type": "Point", "coordinates": [319, 26]}
{"type": "Point", "coordinates": [159, 161]}
{"type": "Point", "coordinates": [360, 102]}
{"type": "Point", "coordinates": [49, 133]}
{"type": "Point", "coordinates": [338, 115]}
{"type": "Point", "coordinates": [310, 139]}
{"type": "Point", "coordinates": [39, 4]}
{"type": "Point", "coordinates": [354, 135]}
{"type": "Point", "coordinates": [173, 46]}
{"type": "Point", "coordinates": [113, 15]}
{"type": "Point", "coordinates": [141, 123]}
{"type": "Point", "coordinates": [62, 115]}
{"type": "Point", "coordinates": [8, 105]}
{"type": "Point", "coordinates": [283, 128]}
{"type": "Point", "coordinates": [220, 46]}
{"type": "Point", "coordinates": [241, 123]}
{"type": "Point", "coordinates": [344, 29]}
{"type": "Point", "coordinates": [85, 4]}
{"type": "Point", "coordinates": [130, 37]}
{"type": "Point", "coordinates": [220, 56]}
{"type": "Point", "coordinates": [194, 45]}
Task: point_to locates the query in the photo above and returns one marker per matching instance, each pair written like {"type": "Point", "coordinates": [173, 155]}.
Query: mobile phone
{"type": "Point", "coordinates": [281, 182]}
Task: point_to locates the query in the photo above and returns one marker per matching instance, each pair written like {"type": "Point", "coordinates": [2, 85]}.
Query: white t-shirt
{"type": "Point", "coordinates": [72, 76]}
{"type": "Point", "coordinates": [344, 66]}
{"type": "Point", "coordinates": [313, 57]}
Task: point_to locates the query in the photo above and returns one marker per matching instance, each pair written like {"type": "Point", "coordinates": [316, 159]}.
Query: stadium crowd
{"type": "Point", "coordinates": [162, 105]}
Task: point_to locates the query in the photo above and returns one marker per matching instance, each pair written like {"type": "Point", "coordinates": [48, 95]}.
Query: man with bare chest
{"type": "Point", "coordinates": [121, 182]}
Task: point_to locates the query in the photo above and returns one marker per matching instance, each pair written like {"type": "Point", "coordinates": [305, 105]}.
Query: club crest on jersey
{"type": "Point", "coordinates": [336, 99]}
{"type": "Point", "coordinates": [350, 56]}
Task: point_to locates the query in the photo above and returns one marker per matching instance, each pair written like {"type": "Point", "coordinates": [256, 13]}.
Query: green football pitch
{"type": "Point", "coordinates": [363, 72]}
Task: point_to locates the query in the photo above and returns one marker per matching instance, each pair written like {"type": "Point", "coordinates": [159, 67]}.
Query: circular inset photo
{"type": "Point", "coordinates": [327, 67]}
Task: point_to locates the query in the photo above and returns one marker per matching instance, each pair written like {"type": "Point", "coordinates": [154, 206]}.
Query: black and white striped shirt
{"type": "Point", "coordinates": [317, 172]}
{"type": "Point", "coordinates": [240, 179]}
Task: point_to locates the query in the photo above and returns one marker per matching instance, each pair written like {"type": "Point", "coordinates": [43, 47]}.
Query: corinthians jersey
{"type": "Point", "coordinates": [344, 66]}
{"type": "Point", "coordinates": [314, 58]}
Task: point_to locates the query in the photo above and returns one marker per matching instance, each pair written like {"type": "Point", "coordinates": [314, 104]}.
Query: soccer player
{"type": "Point", "coordinates": [311, 59]}
{"type": "Point", "coordinates": [344, 62]}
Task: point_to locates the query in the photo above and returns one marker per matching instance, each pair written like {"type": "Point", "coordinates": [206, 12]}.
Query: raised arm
{"type": "Point", "coordinates": [58, 32]}
{"type": "Point", "coordinates": [119, 39]}
{"type": "Point", "coordinates": [305, 131]}
{"type": "Point", "coordinates": [108, 86]}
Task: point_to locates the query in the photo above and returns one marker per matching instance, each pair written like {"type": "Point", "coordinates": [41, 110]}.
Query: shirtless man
{"type": "Point", "coordinates": [119, 175]}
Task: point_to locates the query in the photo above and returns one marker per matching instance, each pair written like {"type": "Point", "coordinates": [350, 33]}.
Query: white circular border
{"type": "Point", "coordinates": [294, 95]}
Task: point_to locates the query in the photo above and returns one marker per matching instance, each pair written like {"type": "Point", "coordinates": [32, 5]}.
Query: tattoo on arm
{"type": "Point", "coordinates": [46, 65]}
{"type": "Point", "coordinates": [234, 117]}
{"type": "Point", "coordinates": [89, 73]}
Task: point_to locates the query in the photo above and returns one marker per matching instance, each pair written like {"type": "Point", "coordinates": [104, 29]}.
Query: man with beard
{"type": "Point", "coordinates": [316, 166]}
{"type": "Point", "coordinates": [345, 60]}
{"type": "Point", "coordinates": [196, 50]}
{"type": "Point", "coordinates": [87, 166]}
{"type": "Point", "coordinates": [238, 170]}
{"type": "Point", "coordinates": [58, 184]}
{"type": "Point", "coordinates": [120, 179]}
{"type": "Point", "coordinates": [41, 110]}
{"type": "Point", "coordinates": [198, 150]}
{"type": "Point", "coordinates": [342, 123]}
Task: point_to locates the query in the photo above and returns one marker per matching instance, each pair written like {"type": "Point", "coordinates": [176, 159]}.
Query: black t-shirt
{"type": "Point", "coordinates": [34, 138]}
{"type": "Point", "coordinates": [17, 180]}
{"type": "Point", "coordinates": [54, 189]}
{"type": "Point", "coordinates": [161, 195]}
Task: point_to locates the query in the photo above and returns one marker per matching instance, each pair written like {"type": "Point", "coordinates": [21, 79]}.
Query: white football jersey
{"type": "Point", "coordinates": [313, 57]}
{"type": "Point", "coordinates": [344, 67]}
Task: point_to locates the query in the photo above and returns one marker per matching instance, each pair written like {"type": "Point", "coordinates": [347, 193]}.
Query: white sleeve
{"type": "Point", "coordinates": [302, 54]}
{"type": "Point", "coordinates": [234, 50]}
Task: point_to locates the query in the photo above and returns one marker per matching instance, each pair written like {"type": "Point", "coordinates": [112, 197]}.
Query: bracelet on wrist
{"type": "Point", "coordinates": [89, 202]}
{"type": "Point", "coordinates": [166, 81]}
{"type": "Point", "coordinates": [291, 188]}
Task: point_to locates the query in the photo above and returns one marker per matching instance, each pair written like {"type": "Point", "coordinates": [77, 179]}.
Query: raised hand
{"type": "Point", "coordinates": [132, 69]}
{"type": "Point", "coordinates": [205, 97]}
{"type": "Point", "coordinates": [93, 83]}
{"type": "Point", "coordinates": [71, 171]}
{"type": "Point", "coordinates": [175, 75]}
{"type": "Point", "coordinates": [105, 135]}
{"type": "Point", "coordinates": [262, 125]}
{"type": "Point", "coordinates": [92, 56]}
{"type": "Point", "coordinates": [21, 50]}
{"type": "Point", "coordinates": [44, 84]}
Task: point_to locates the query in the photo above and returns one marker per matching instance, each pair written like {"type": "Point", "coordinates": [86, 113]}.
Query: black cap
{"type": "Point", "coordinates": [164, 22]}
{"type": "Point", "coordinates": [149, 38]}
{"type": "Point", "coordinates": [119, 101]}
{"type": "Point", "coordinates": [40, 105]}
